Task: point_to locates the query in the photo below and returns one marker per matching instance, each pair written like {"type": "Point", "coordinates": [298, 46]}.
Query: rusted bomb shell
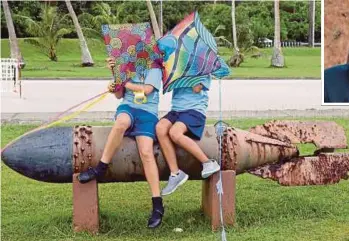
{"type": "Point", "coordinates": [47, 155]}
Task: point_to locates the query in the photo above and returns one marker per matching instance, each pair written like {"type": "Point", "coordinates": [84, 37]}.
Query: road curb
{"type": "Point", "coordinates": [107, 116]}
{"type": "Point", "coordinates": [109, 78]}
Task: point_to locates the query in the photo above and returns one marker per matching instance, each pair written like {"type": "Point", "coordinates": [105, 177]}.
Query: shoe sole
{"type": "Point", "coordinates": [154, 227]}
{"type": "Point", "coordinates": [207, 174]}
{"type": "Point", "coordinates": [179, 184]}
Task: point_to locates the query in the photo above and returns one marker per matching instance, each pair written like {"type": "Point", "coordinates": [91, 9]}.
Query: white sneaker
{"type": "Point", "coordinates": [209, 167]}
{"type": "Point", "coordinates": [174, 182]}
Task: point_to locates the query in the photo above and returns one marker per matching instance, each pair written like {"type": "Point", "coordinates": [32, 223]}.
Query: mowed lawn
{"type": "Point", "coordinates": [33, 210]}
{"type": "Point", "coordinates": [300, 62]}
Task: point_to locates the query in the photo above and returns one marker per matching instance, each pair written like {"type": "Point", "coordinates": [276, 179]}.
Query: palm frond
{"type": "Point", "coordinates": [32, 27]}
{"type": "Point", "coordinates": [220, 27]}
{"type": "Point", "coordinates": [85, 17]}
{"type": "Point", "coordinates": [224, 41]}
{"type": "Point", "coordinates": [92, 33]}
{"type": "Point", "coordinates": [37, 43]}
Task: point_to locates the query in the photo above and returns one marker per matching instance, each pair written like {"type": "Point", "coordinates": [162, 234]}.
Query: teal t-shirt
{"type": "Point", "coordinates": [153, 78]}
{"type": "Point", "coordinates": [186, 99]}
{"type": "Point", "coordinates": [336, 84]}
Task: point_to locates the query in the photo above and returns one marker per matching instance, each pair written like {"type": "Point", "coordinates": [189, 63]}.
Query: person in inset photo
{"type": "Point", "coordinates": [336, 83]}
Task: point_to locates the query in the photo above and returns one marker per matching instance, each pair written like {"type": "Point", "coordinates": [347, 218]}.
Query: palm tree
{"type": "Point", "coordinates": [48, 30]}
{"type": "Point", "coordinates": [15, 51]}
{"type": "Point", "coordinates": [86, 57]}
{"type": "Point", "coordinates": [311, 16]}
{"type": "Point", "coordinates": [154, 22]}
{"type": "Point", "coordinates": [102, 15]}
{"type": "Point", "coordinates": [277, 59]}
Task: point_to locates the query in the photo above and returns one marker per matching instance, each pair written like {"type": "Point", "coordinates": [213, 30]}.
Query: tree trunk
{"type": "Point", "coordinates": [234, 25]}
{"type": "Point", "coordinates": [237, 58]}
{"type": "Point", "coordinates": [277, 59]}
{"type": "Point", "coordinates": [161, 20]}
{"type": "Point", "coordinates": [15, 52]}
{"type": "Point", "coordinates": [311, 16]}
{"type": "Point", "coordinates": [154, 22]}
{"type": "Point", "coordinates": [86, 58]}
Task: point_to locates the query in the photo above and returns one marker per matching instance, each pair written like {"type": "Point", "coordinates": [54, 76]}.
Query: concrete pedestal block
{"type": "Point", "coordinates": [85, 206]}
{"type": "Point", "coordinates": [210, 198]}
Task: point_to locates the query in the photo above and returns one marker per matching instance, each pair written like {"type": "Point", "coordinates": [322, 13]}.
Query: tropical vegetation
{"type": "Point", "coordinates": [241, 25]}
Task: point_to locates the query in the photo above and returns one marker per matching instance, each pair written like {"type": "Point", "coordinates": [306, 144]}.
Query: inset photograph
{"type": "Point", "coordinates": [336, 69]}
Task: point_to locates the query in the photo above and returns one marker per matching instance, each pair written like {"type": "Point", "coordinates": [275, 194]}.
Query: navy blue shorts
{"type": "Point", "coordinates": [142, 122]}
{"type": "Point", "coordinates": [193, 120]}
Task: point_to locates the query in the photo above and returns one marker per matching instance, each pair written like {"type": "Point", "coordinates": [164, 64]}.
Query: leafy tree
{"type": "Point", "coordinates": [101, 13]}
{"type": "Point", "coordinates": [254, 19]}
{"type": "Point", "coordinates": [48, 30]}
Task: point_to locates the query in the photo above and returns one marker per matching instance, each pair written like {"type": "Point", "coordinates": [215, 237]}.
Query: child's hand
{"type": "Point", "coordinates": [111, 87]}
{"type": "Point", "coordinates": [110, 63]}
{"type": "Point", "coordinates": [197, 88]}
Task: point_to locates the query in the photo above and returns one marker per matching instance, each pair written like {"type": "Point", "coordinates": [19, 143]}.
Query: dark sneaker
{"type": "Point", "coordinates": [209, 168]}
{"type": "Point", "coordinates": [174, 182]}
{"type": "Point", "coordinates": [87, 176]}
{"type": "Point", "coordinates": [155, 218]}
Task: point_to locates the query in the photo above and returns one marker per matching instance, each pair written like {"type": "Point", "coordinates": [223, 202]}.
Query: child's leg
{"type": "Point", "coordinates": [168, 149]}
{"type": "Point", "coordinates": [122, 123]}
{"type": "Point", "coordinates": [177, 132]}
{"type": "Point", "coordinates": [145, 148]}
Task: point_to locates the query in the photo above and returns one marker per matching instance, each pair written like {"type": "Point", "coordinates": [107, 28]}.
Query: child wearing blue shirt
{"type": "Point", "coordinates": [183, 125]}
{"type": "Point", "coordinates": [138, 121]}
{"type": "Point", "coordinates": [336, 84]}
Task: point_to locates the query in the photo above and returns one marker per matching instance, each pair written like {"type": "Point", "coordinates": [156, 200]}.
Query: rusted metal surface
{"type": "Point", "coordinates": [82, 148]}
{"type": "Point", "coordinates": [243, 150]}
{"type": "Point", "coordinates": [51, 155]}
{"type": "Point", "coordinates": [314, 170]}
{"type": "Point", "coordinates": [127, 166]}
{"type": "Point", "coordinates": [322, 134]}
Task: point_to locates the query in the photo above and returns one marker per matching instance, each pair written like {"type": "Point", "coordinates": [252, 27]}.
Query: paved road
{"type": "Point", "coordinates": [238, 95]}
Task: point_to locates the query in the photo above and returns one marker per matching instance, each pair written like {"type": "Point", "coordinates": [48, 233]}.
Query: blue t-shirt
{"type": "Point", "coordinates": [336, 84]}
{"type": "Point", "coordinates": [153, 78]}
{"type": "Point", "coordinates": [186, 99]}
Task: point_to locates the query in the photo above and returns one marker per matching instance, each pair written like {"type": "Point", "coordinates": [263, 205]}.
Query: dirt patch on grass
{"type": "Point", "coordinates": [336, 32]}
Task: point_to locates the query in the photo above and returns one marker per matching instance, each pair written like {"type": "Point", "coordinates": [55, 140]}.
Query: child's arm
{"type": "Point", "coordinates": [204, 84]}
{"type": "Point", "coordinates": [110, 65]}
{"type": "Point", "coordinates": [139, 87]}
{"type": "Point", "coordinates": [118, 94]}
{"type": "Point", "coordinates": [197, 88]}
{"type": "Point", "coordinates": [111, 88]}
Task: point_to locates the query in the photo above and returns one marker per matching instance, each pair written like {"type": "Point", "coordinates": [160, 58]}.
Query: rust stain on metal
{"type": "Point", "coordinates": [322, 134]}
{"type": "Point", "coordinates": [242, 150]}
{"type": "Point", "coordinates": [82, 148]}
{"type": "Point", "coordinates": [314, 170]}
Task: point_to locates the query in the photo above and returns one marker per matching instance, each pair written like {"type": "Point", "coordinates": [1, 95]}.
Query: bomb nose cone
{"type": "Point", "coordinates": [44, 155]}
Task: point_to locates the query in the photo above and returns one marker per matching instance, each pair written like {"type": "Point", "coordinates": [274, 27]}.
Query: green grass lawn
{"type": "Point", "coordinates": [300, 62]}
{"type": "Point", "coordinates": [32, 210]}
